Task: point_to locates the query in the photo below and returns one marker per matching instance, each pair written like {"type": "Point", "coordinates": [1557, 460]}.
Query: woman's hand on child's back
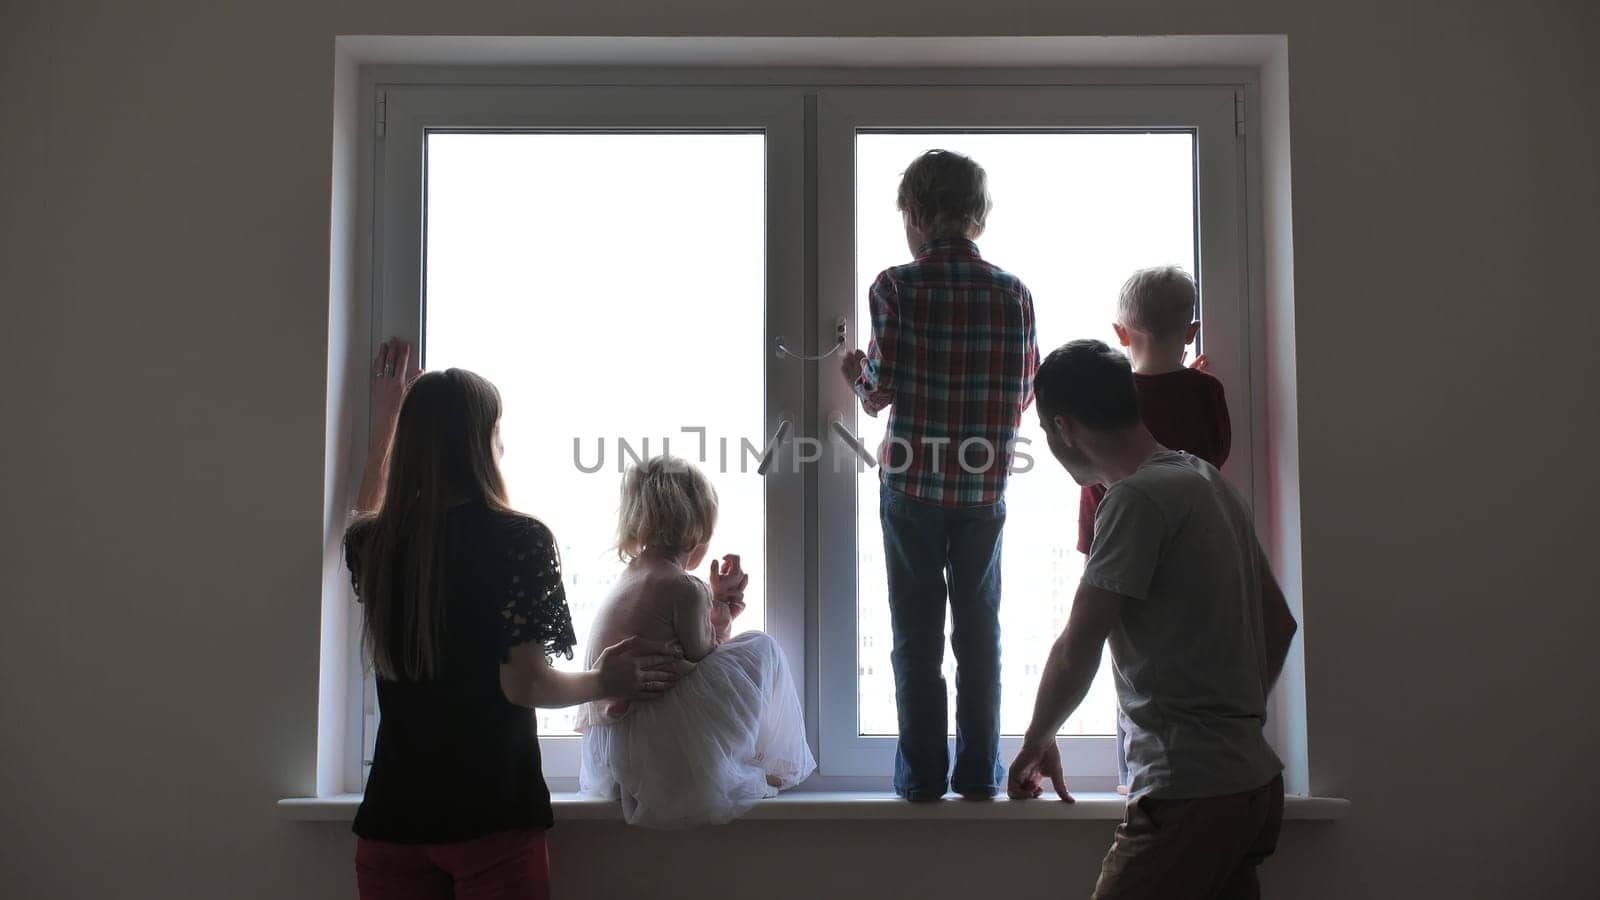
{"type": "Point", "coordinates": [637, 669]}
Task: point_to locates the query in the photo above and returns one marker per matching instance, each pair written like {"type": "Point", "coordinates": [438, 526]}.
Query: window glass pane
{"type": "Point", "coordinates": [1074, 215]}
{"type": "Point", "coordinates": [613, 287]}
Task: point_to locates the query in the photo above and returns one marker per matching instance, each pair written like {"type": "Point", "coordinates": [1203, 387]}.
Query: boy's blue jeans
{"type": "Point", "coordinates": [934, 554]}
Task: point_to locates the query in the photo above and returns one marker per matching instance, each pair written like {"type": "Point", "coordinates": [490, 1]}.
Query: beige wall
{"type": "Point", "coordinates": [164, 200]}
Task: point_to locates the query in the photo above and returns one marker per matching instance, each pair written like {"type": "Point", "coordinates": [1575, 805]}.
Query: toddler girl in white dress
{"type": "Point", "coordinates": [726, 735]}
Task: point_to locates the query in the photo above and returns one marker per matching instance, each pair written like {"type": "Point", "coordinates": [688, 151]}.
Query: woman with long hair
{"type": "Point", "coordinates": [463, 607]}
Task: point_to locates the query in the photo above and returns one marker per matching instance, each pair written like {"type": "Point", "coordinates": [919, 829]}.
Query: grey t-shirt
{"type": "Point", "coordinates": [1188, 650]}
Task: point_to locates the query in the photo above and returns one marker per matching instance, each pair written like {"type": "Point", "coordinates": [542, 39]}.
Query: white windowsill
{"type": "Point", "coordinates": [836, 806]}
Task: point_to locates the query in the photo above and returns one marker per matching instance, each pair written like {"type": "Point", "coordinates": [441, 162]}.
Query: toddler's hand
{"type": "Point", "coordinates": [728, 580]}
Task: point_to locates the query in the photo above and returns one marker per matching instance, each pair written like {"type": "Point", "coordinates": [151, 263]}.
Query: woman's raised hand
{"type": "Point", "coordinates": [392, 372]}
{"type": "Point", "coordinates": [637, 669]}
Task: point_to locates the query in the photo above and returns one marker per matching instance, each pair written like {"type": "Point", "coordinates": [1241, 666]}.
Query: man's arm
{"type": "Point", "coordinates": [1068, 674]}
{"type": "Point", "coordinates": [1277, 622]}
{"type": "Point", "coordinates": [1074, 659]}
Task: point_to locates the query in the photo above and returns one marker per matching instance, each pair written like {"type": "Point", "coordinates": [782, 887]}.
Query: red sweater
{"type": "Point", "coordinates": [1185, 410]}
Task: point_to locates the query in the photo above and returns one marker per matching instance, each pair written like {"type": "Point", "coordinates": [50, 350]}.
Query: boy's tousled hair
{"type": "Point", "coordinates": [668, 505]}
{"type": "Point", "coordinates": [1159, 301]}
{"type": "Point", "coordinates": [946, 195]}
{"type": "Point", "coordinates": [1089, 382]}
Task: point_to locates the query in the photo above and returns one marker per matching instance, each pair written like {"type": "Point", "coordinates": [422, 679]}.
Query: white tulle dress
{"type": "Point", "coordinates": [702, 753]}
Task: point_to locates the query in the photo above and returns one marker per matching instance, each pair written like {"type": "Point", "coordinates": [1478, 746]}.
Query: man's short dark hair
{"type": "Point", "coordinates": [1090, 382]}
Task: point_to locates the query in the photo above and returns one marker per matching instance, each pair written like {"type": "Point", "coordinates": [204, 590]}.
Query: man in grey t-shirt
{"type": "Point", "coordinates": [1199, 629]}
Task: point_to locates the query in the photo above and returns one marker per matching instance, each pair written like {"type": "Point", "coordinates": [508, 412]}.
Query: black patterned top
{"type": "Point", "coordinates": [454, 759]}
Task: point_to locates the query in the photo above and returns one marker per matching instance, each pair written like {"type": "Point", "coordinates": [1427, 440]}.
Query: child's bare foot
{"type": "Point", "coordinates": [774, 781]}
{"type": "Point", "coordinates": [1122, 789]}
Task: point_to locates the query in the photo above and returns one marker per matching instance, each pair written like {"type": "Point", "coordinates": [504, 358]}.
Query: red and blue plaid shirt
{"type": "Point", "coordinates": [952, 356]}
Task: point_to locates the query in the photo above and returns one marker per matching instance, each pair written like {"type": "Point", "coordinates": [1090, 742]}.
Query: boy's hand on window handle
{"type": "Point", "coordinates": [852, 364]}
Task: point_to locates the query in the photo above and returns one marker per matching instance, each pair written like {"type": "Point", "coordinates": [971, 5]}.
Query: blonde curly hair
{"type": "Point", "coordinates": [667, 504]}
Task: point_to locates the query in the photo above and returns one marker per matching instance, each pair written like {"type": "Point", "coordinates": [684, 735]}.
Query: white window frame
{"type": "Point", "coordinates": [810, 118]}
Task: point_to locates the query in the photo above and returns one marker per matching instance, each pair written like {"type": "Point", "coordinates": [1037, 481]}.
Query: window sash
{"type": "Point", "coordinates": [1207, 111]}
{"type": "Point", "coordinates": [410, 113]}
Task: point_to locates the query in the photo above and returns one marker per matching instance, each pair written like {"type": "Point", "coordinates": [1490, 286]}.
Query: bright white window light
{"type": "Point", "coordinates": [612, 287]}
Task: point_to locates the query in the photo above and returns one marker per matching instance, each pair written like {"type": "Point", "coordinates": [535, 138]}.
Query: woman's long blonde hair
{"type": "Point", "coordinates": [443, 454]}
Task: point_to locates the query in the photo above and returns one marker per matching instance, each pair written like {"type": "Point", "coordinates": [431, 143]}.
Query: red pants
{"type": "Point", "coordinates": [506, 865]}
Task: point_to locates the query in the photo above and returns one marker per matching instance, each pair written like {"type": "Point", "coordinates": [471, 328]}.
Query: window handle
{"type": "Point", "coordinates": [836, 422]}
{"type": "Point", "coordinates": [770, 455]}
{"type": "Point", "coordinates": [838, 342]}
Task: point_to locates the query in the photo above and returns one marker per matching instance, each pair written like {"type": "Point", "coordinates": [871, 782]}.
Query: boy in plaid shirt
{"type": "Point", "coordinates": [952, 357]}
